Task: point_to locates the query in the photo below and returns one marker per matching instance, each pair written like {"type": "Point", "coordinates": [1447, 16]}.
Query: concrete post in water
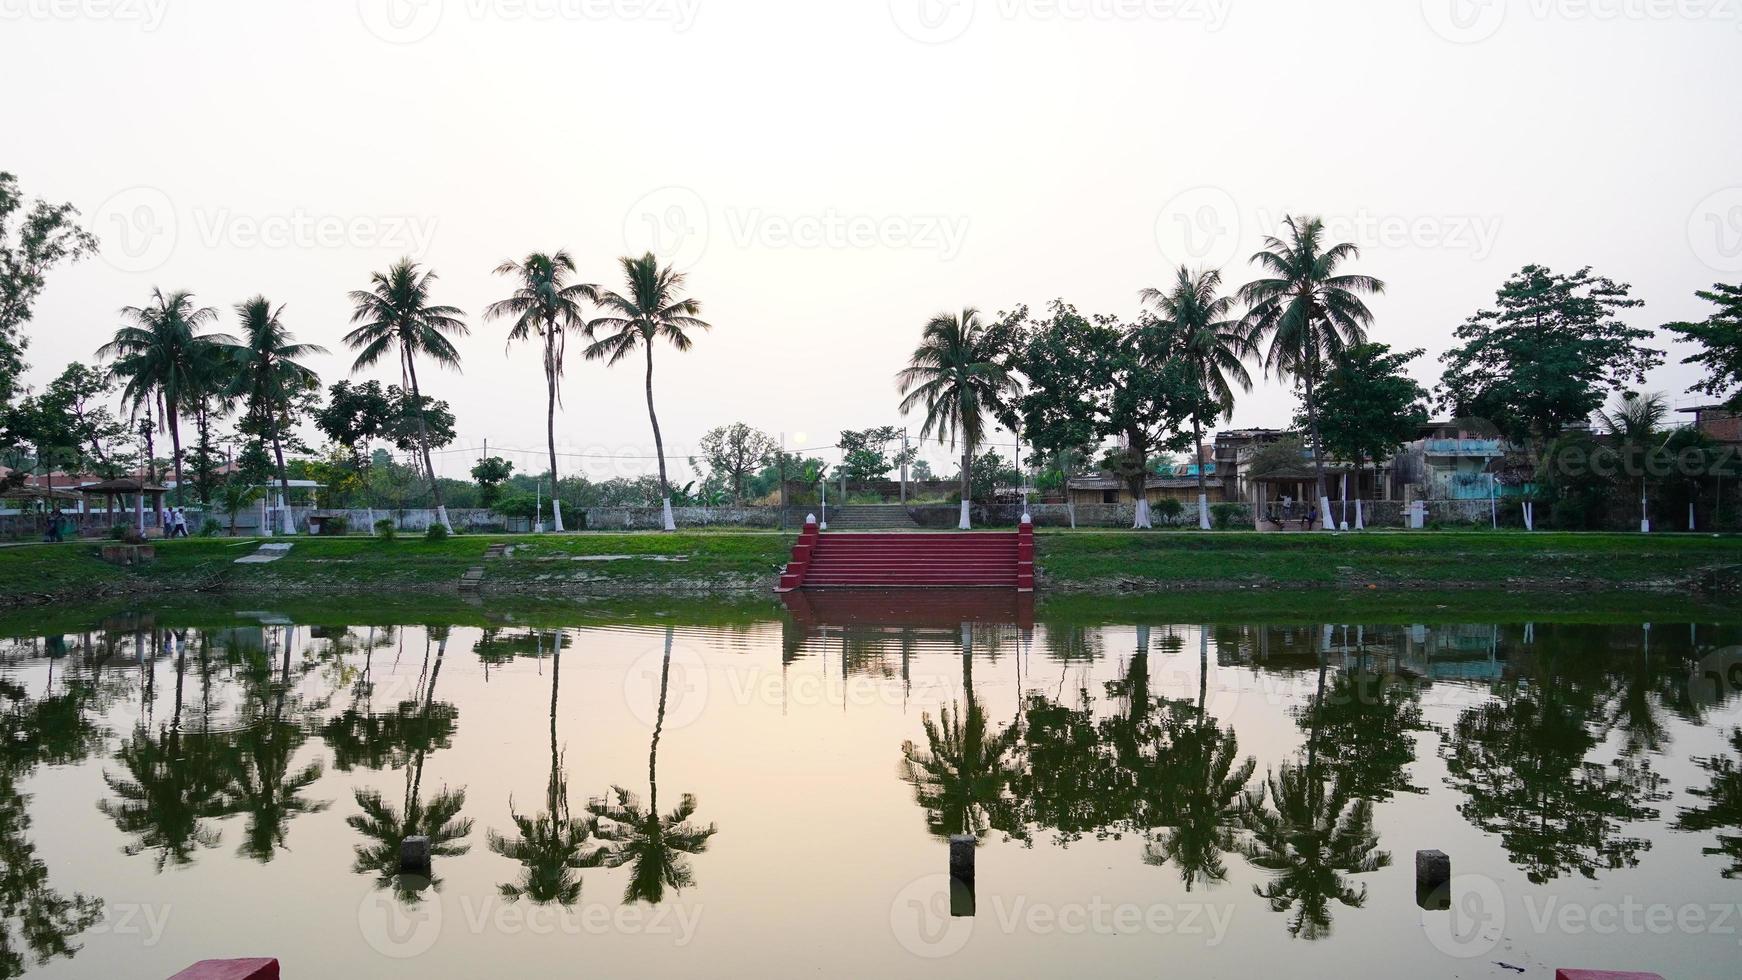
{"type": "Point", "coordinates": [962, 874]}
{"type": "Point", "coordinates": [414, 856]}
{"type": "Point", "coordinates": [1433, 880]}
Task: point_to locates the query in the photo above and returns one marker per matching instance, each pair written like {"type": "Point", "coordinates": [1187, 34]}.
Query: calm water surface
{"type": "Point", "coordinates": [771, 793]}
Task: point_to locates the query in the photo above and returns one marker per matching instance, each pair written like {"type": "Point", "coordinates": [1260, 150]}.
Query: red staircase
{"type": "Point", "coordinates": [954, 560]}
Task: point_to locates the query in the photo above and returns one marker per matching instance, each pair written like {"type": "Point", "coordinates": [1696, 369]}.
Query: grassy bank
{"type": "Point", "coordinates": [1081, 562]}
{"type": "Point", "coordinates": [1123, 561]}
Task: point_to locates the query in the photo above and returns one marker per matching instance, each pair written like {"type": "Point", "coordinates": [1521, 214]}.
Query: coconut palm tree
{"type": "Point", "coordinates": [545, 303]}
{"type": "Point", "coordinates": [958, 374]}
{"type": "Point", "coordinates": [157, 353]}
{"type": "Point", "coordinates": [654, 307]}
{"type": "Point", "coordinates": [962, 778]}
{"type": "Point", "coordinates": [1309, 836]}
{"type": "Point", "coordinates": [1635, 425]}
{"type": "Point", "coordinates": [266, 378]}
{"type": "Point", "coordinates": [1205, 335]}
{"type": "Point", "coordinates": [655, 845]}
{"type": "Point", "coordinates": [396, 313]}
{"type": "Point", "coordinates": [551, 844]}
{"type": "Point", "coordinates": [1308, 311]}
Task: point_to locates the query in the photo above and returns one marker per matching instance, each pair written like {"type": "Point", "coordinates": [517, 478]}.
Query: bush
{"type": "Point", "coordinates": [436, 532]}
{"type": "Point", "coordinates": [336, 525]}
{"type": "Point", "coordinates": [1169, 509]}
{"type": "Point", "coordinates": [211, 529]}
{"type": "Point", "coordinates": [385, 529]}
{"type": "Point", "coordinates": [118, 532]}
{"type": "Point", "coordinates": [1223, 515]}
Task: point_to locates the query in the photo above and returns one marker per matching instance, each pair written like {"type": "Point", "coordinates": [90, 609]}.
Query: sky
{"type": "Point", "coordinates": [830, 175]}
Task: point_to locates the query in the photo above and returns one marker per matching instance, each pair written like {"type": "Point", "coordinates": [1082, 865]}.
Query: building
{"type": "Point", "coordinates": [1105, 488]}
{"type": "Point", "coordinates": [1717, 423]}
{"type": "Point", "coordinates": [1451, 461]}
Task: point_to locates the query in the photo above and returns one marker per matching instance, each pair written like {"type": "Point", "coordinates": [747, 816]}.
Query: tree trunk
{"type": "Point", "coordinates": [658, 443]}
{"type": "Point", "coordinates": [966, 522]}
{"type": "Point", "coordinates": [286, 523]}
{"type": "Point", "coordinates": [550, 420]}
{"type": "Point", "coordinates": [1198, 461]}
{"type": "Point", "coordinates": [203, 419]}
{"type": "Point", "coordinates": [173, 417]}
{"type": "Point", "coordinates": [435, 486]}
{"type": "Point", "coordinates": [1323, 503]}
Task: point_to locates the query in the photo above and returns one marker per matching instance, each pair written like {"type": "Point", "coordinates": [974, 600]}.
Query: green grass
{"type": "Point", "coordinates": [1415, 559]}
{"type": "Point", "coordinates": [1099, 562]}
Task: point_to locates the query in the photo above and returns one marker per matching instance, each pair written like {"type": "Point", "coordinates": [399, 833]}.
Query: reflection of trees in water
{"type": "Point", "coordinates": [1309, 834]}
{"type": "Point", "coordinates": [259, 765]}
{"type": "Point", "coordinates": [1723, 806]}
{"type": "Point", "coordinates": [656, 846]}
{"type": "Point", "coordinates": [39, 923]}
{"type": "Point", "coordinates": [1522, 761]}
{"type": "Point", "coordinates": [385, 828]}
{"type": "Point", "coordinates": [552, 845]}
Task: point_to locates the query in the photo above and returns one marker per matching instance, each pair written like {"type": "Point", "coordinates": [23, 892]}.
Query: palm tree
{"type": "Point", "coordinates": [1309, 836]}
{"type": "Point", "coordinates": [396, 313]}
{"type": "Point", "coordinates": [1309, 312]}
{"type": "Point", "coordinates": [1206, 336]}
{"type": "Point", "coordinates": [547, 304]}
{"type": "Point", "coordinates": [962, 778]}
{"type": "Point", "coordinates": [655, 845]}
{"type": "Point", "coordinates": [1635, 426]}
{"type": "Point", "coordinates": [158, 351]}
{"type": "Point", "coordinates": [958, 374]}
{"type": "Point", "coordinates": [655, 307]}
{"type": "Point", "coordinates": [267, 375]}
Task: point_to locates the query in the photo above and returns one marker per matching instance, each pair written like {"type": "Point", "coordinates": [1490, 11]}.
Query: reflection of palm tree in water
{"type": "Point", "coordinates": [962, 778]}
{"type": "Point", "coordinates": [439, 820]}
{"type": "Point", "coordinates": [550, 843]}
{"type": "Point", "coordinates": [1723, 809]}
{"type": "Point", "coordinates": [173, 786]}
{"type": "Point", "coordinates": [261, 783]}
{"type": "Point", "coordinates": [655, 846]}
{"type": "Point", "coordinates": [1309, 834]}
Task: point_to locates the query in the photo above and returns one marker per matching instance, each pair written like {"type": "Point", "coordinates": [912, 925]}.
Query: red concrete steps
{"type": "Point", "coordinates": [984, 560]}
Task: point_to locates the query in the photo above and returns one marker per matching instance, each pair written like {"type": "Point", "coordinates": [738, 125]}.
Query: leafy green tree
{"type": "Point", "coordinates": [1307, 310]}
{"type": "Point", "coordinates": [396, 313]}
{"type": "Point", "coordinates": [865, 454]}
{"type": "Point", "coordinates": [268, 379]}
{"type": "Point", "coordinates": [1547, 355]}
{"type": "Point", "coordinates": [33, 240]}
{"type": "Point", "coordinates": [1369, 405]}
{"type": "Point", "coordinates": [734, 452]}
{"type": "Point", "coordinates": [1064, 358]}
{"type": "Point", "coordinates": [490, 474]}
{"type": "Point", "coordinates": [545, 302]}
{"type": "Point", "coordinates": [958, 374]}
{"type": "Point", "coordinates": [78, 394]}
{"type": "Point", "coordinates": [1208, 339]}
{"type": "Point", "coordinates": [1720, 336]}
{"type": "Point", "coordinates": [1150, 405]}
{"type": "Point", "coordinates": [160, 353]}
{"type": "Point", "coordinates": [653, 308]}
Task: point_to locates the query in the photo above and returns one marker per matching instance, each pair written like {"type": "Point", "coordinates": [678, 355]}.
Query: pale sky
{"type": "Point", "coordinates": [832, 173]}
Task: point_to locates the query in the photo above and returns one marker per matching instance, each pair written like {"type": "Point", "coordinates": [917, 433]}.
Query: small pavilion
{"type": "Point", "coordinates": [125, 487]}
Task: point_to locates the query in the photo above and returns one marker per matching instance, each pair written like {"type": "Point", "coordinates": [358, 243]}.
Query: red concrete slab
{"type": "Point", "coordinates": [250, 969]}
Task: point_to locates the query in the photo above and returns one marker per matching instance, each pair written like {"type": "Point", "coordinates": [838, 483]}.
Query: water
{"type": "Point", "coordinates": [617, 790]}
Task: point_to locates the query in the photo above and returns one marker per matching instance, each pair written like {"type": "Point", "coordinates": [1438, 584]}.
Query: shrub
{"type": "Point", "coordinates": [436, 532]}
{"type": "Point", "coordinates": [1223, 515]}
{"type": "Point", "coordinates": [386, 529]}
{"type": "Point", "coordinates": [118, 532]}
{"type": "Point", "coordinates": [211, 529]}
{"type": "Point", "coordinates": [336, 525]}
{"type": "Point", "coordinates": [1170, 510]}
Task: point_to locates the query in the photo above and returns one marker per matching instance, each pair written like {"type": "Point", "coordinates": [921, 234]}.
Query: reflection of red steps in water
{"type": "Point", "coordinates": [947, 560]}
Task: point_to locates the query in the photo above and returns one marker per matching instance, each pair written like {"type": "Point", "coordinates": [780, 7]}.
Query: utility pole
{"type": "Point", "coordinates": [904, 466]}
